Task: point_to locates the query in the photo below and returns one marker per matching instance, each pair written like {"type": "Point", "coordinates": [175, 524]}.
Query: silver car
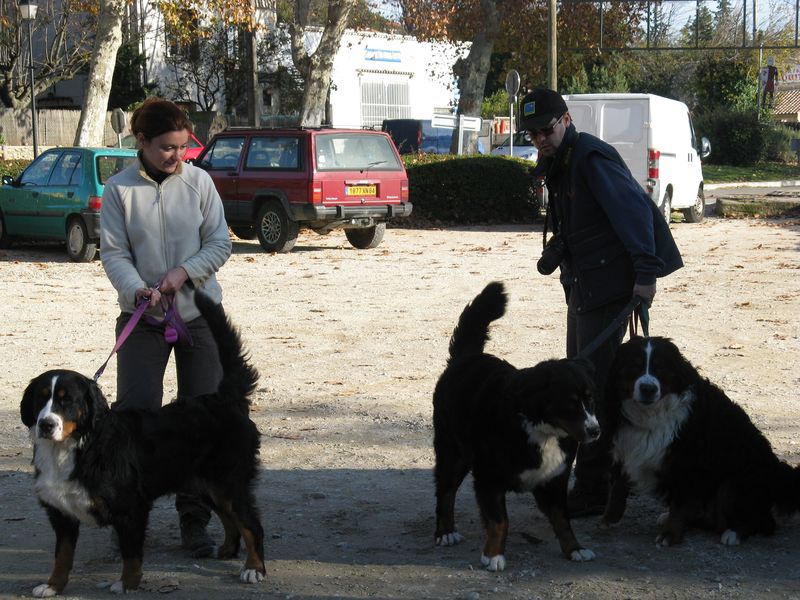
{"type": "Point", "coordinates": [523, 147]}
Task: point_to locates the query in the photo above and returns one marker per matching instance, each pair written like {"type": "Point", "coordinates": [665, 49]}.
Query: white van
{"type": "Point", "coordinates": [656, 139]}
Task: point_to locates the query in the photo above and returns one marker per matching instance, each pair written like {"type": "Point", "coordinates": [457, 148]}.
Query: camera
{"type": "Point", "coordinates": [552, 255]}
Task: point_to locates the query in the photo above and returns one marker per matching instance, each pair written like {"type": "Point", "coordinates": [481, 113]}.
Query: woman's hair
{"type": "Point", "coordinates": [157, 116]}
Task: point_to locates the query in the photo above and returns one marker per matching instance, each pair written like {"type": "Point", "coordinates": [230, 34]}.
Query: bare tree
{"type": "Point", "coordinates": [472, 69]}
{"type": "Point", "coordinates": [69, 33]}
{"type": "Point", "coordinates": [316, 67]}
{"type": "Point", "coordinates": [101, 71]}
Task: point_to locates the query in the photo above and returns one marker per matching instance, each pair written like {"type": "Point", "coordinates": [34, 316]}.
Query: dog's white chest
{"type": "Point", "coordinates": [641, 444]}
{"type": "Point", "coordinates": [55, 463]}
{"type": "Point", "coordinates": [553, 457]}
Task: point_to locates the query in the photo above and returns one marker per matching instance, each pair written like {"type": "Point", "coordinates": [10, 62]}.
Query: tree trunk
{"type": "Point", "coordinates": [473, 69]}
{"type": "Point", "coordinates": [317, 68]}
{"type": "Point", "coordinates": [101, 70]}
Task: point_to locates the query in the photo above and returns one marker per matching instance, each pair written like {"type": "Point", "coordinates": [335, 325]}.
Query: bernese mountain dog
{"type": "Point", "coordinates": [678, 436]}
{"type": "Point", "coordinates": [102, 467]}
{"type": "Point", "coordinates": [515, 429]}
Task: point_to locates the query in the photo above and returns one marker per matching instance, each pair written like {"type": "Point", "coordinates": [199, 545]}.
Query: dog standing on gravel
{"type": "Point", "coordinates": [102, 467]}
{"type": "Point", "coordinates": [515, 429]}
{"type": "Point", "coordinates": [678, 436]}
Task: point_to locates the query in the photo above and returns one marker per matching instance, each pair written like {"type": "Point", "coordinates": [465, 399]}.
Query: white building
{"type": "Point", "coordinates": [375, 75]}
{"type": "Point", "coordinates": [380, 76]}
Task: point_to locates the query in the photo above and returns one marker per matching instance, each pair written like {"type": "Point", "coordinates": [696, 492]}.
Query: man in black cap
{"type": "Point", "coordinates": [610, 242]}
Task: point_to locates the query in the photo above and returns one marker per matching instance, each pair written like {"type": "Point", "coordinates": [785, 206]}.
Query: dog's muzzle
{"type": "Point", "coordinates": [592, 430]}
{"type": "Point", "coordinates": [646, 390]}
{"type": "Point", "coordinates": [46, 428]}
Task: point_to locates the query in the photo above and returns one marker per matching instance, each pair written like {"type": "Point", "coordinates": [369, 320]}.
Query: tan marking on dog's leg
{"type": "Point", "coordinates": [230, 546]}
{"type": "Point", "coordinates": [563, 530]}
{"type": "Point", "coordinates": [62, 566]}
{"type": "Point", "coordinates": [253, 560]}
{"type": "Point", "coordinates": [496, 534]}
{"type": "Point", "coordinates": [131, 573]}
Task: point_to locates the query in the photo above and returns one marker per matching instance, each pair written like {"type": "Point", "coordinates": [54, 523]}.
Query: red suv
{"type": "Point", "coordinates": [274, 181]}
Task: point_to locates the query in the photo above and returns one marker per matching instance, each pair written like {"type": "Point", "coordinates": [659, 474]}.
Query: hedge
{"type": "Point", "coordinates": [445, 188]}
{"type": "Point", "coordinates": [470, 189]}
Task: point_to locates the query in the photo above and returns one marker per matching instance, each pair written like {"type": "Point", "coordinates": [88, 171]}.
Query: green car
{"type": "Point", "coordinates": [58, 197]}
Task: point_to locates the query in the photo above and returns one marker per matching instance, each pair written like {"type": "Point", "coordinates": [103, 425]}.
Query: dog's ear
{"type": "Point", "coordinates": [97, 403]}
{"type": "Point", "coordinates": [27, 408]}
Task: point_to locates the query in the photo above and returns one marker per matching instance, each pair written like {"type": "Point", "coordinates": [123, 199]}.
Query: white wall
{"type": "Point", "coordinates": [426, 66]}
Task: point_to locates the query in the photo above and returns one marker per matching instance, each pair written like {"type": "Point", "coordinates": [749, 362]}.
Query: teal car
{"type": "Point", "coordinates": [58, 197]}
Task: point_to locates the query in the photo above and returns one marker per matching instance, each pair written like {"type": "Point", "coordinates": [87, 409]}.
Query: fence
{"type": "Point", "coordinates": [57, 127]}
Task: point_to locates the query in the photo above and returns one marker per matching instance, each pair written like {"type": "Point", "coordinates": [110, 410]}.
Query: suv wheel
{"type": "Point", "coordinates": [243, 232]}
{"type": "Point", "coordinates": [695, 214]}
{"type": "Point", "coordinates": [366, 237]}
{"type": "Point", "coordinates": [276, 232]}
{"type": "Point", "coordinates": [79, 248]}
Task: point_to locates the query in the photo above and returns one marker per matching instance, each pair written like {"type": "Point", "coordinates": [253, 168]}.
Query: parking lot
{"type": "Point", "coordinates": [349, 344]}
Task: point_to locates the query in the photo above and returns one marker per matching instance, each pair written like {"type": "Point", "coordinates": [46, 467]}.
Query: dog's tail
{"type": "Point", "coordinates": [239, 377]}
{"type": "Point", "coordinates": [472, 331]}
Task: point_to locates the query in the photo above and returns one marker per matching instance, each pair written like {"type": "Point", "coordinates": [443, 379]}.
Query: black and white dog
{"type": "Point", "coordinates": [678, 436]}
{"type": "Point", "coordinates": [103, 467]}
{"type": "Point", "coordinates": [515, 429]}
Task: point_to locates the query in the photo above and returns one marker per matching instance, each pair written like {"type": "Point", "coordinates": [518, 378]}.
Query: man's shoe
{"type": "Point", "coordinates": [582, 503]}
{"type": "Point", "coordinates": [195, 539]}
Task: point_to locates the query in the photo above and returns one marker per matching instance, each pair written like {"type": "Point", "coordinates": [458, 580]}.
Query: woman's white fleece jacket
{"type": "Point", "coordinates": [147, 228]}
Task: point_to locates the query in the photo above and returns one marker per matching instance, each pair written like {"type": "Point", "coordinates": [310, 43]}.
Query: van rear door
{"type": "Point", "coordinates": [622, 122]}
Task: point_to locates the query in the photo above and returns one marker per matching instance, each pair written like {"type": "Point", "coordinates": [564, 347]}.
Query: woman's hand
{"type": "Point", "coordinates": [172, 281]}
{"type": "Point", "coordinates": [151, 294]}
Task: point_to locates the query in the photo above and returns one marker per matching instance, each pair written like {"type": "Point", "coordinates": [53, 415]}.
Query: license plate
{"type": "Point", "coordinates": [362, 190]}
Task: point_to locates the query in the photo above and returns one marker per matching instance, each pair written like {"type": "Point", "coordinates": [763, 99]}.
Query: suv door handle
{"type": "Point", "coordinates": [231, 174]}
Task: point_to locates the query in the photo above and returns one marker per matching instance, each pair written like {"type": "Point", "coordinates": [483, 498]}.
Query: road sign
{"type": "Point", "coordinates": [118, 120]}
{"type": "Point", "coordinates": [512, 84]}
{"type": "Point", "coordinates": [470, 123]}
{"type": "Point", "coordinates": [443, 121]}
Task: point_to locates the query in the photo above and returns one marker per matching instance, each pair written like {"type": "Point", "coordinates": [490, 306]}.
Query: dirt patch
{"type": "Point", "coordinates": [349, 345]}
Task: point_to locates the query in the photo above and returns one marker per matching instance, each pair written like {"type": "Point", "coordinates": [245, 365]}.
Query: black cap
{"type": "Point", "coordinates": [539, 107]}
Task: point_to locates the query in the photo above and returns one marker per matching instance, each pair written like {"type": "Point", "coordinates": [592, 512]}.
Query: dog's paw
{"type": "Point", "coordinates": [43, 591]}
{"type": "Point", "coordinates": [117, 587]}
{"type": "Point", "coordinates": [729, 538]}
{"type": "Point", "coordinates": [494, 563]}
{"type": "Point", "coordinates": [665, 540]}
{"type": "Point", "coordinates": [449, 539]}
{"type": "Point", "coordinates": [581, 555]}
{"type": "Point", "coordinates": [250, 576]}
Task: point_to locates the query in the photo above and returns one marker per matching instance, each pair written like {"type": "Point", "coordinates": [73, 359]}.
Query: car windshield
{"type": "Point", "coordinates": [355, 152]}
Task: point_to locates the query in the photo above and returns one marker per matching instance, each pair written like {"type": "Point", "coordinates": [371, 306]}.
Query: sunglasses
{"type": "Point", "coordinates": [545, 131]}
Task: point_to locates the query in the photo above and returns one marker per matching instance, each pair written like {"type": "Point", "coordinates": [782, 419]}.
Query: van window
{"type": "Point", "coordinates": [623, 123]}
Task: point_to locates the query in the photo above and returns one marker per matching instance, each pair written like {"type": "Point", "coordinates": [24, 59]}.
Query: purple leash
{"type": "Point", "coordinates": [132, 322]}
{"type": "Point", "coordinates": [174, 328]}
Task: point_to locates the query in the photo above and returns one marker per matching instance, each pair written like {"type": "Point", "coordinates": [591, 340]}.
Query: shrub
{"type": "Point", "coordinates": [778, 147]}
{"type": "Point", "coordinates": [737, 138]}
{"type": "Point", "coordinates": [13, 167]}
{"type": "Point", "coordinates": [470, 189]}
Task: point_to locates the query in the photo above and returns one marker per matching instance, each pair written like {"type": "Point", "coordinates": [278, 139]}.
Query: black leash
{"type": "Point", "coordinates": [635, 312]}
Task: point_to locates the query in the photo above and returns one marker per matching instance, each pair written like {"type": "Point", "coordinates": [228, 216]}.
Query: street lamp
{"type": "Point", "coordinates": [27, 9]}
